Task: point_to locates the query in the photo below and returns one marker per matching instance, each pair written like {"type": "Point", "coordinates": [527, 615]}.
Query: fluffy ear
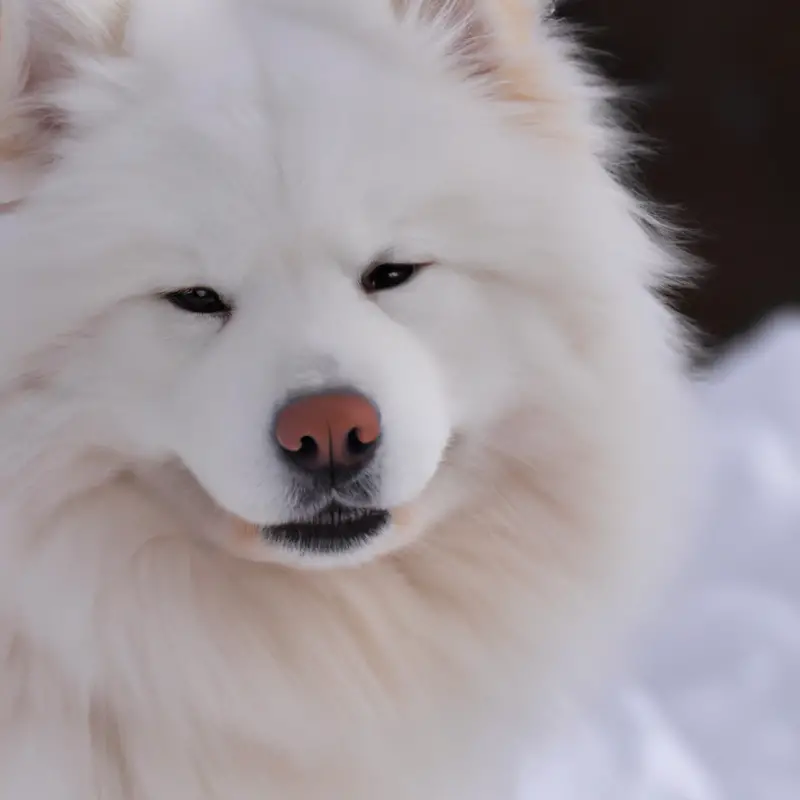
{"type": "Point", "coordinates": [491, 37]}
{"type": "Point", "coordinates": [39, 40]}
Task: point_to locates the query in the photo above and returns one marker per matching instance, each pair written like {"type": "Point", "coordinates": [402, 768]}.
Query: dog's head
{"type": "Point", "coordinates": [310, 251]}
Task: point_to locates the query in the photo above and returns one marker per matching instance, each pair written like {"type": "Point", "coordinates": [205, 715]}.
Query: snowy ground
{"type": "Point", "coordinates": [712, 710]}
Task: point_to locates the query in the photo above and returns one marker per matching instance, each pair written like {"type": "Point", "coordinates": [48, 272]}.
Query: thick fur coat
{"type": "Point", "coordinates": [154, 643]}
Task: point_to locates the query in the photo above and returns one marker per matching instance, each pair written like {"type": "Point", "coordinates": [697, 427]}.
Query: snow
{"type": "Point", "coordinates": [710, 709]}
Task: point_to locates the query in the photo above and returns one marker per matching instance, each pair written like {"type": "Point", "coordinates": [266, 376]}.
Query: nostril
{"type": "Point", "coordinates": [356, 446]}
{"type": "Point", "coordinates": [305, 453]}
{"type": "Point", "coordinates": [308, 451]}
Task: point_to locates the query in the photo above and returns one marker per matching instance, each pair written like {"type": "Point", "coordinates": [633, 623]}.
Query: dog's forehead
{"type": "Point", "coordinates": [331, 139]}
{"type": "Point", "coordinates": [342, 110]}
{"type": "Point", "coordinates": [329, 151]}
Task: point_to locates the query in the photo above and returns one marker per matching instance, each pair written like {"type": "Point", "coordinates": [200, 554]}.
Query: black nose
{"type": "Point", "coordinates": [333, 434]}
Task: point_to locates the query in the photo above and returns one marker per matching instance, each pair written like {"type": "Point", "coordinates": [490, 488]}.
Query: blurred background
{"type": "Point", "coordinates": [717, 84]}
{"type": "Point", "coordinates": [708, 708]}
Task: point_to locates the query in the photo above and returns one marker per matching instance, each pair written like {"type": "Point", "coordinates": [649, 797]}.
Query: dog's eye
{"type": "Point", "coordinates": [380, 277]}
{"type": "Point", "coordinates": [198, 300]}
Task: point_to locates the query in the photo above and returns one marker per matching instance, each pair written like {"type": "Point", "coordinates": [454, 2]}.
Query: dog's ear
{"type": "Point", "coordinates": [491, 38]}
{"type": "Point", "coordinates": [39, 42]}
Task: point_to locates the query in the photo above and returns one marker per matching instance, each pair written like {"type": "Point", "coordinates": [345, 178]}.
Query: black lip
{"type": "Point", "coordinates": [335, 529]}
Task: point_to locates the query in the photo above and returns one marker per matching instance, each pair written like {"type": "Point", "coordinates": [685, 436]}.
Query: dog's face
{"type": "Point", "coordinates": [301, 260]}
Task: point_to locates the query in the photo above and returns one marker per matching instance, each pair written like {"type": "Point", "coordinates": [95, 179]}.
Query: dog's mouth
{"type": "Point", "coordinates": [335, 529]}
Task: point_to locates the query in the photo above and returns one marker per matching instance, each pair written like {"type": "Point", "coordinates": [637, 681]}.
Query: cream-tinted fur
{"type": "Point", "coordinates": [152, 646]}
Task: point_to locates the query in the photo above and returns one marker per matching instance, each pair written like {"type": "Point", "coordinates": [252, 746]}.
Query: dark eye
{"type": "Point", "coordinates": [198, 300]}
{"type": "Point", "coordinates": [381, 277]}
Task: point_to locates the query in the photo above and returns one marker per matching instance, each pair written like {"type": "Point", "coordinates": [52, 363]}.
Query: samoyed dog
{"type": "Point", "coordinates": [340, 417]}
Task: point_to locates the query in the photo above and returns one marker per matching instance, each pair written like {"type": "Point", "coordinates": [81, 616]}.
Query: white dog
{"type": "Point", "coordinates": [338, 411]}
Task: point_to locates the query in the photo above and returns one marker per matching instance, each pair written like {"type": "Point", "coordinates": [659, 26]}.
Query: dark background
{"type": "Point", "coordinates": [718, 88]}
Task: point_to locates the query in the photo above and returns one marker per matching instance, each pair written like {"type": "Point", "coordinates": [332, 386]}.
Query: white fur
{"type": "Point", "coordinates": [151, 645]}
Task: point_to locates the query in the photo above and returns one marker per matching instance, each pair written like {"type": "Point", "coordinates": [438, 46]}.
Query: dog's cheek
{"type": "Point", "coordinates": [463, 324]}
